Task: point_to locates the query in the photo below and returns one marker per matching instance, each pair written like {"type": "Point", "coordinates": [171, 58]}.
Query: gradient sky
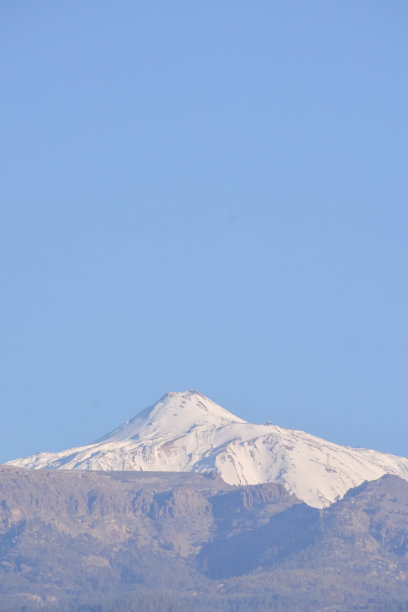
{"type": "Point", "coordinates": [203, 195]}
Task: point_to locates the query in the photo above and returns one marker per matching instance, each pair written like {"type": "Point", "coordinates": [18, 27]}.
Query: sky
{"type": "Point", "coordinates": [203, 195]}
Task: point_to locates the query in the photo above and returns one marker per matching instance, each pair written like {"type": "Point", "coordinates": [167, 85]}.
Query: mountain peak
{"type": "Point", "coordinates": [186, 431]}
{"type": "Point", "coordinates": [174, 414]}
{"type": "Point", "coordinates": [184, 394]}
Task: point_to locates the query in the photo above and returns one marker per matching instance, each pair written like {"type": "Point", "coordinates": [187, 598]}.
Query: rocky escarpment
{"type": "Point", "coordinates": [184, 541]}
{"type": "Point", "coordinates": [174, 511]}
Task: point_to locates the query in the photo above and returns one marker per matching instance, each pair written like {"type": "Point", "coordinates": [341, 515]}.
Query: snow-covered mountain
{"type": "Point", "coordinates": [189, 432]}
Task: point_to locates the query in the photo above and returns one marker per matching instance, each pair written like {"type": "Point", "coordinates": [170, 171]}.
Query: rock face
{"type": "Point", "coordinates": [183, 541]}
{"type": "Point", "coordinates": [189, 432]}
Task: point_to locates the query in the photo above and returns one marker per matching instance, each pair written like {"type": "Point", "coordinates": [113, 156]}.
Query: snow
{"type": "Point", "coordinates": [189, 432]}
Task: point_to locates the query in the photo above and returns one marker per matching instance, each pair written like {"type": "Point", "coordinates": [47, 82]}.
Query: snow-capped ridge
{"type": "Point", "coordinates": [189, 432]}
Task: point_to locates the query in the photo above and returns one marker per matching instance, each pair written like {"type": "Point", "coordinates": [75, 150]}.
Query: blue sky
{"type": "Point", "coordinates": [205, 196]}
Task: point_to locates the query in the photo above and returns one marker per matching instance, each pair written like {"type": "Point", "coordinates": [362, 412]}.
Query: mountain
{"type": "Point", "coordinates": [187, 432]}
{"type": "Point", "coordinates": [161, 541]}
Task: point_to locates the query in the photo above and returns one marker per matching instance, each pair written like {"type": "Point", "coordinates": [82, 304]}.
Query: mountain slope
{"type": "Point", "coordinates": [188, 432]}
{"type": "Point", "coordinates": [74, 540]}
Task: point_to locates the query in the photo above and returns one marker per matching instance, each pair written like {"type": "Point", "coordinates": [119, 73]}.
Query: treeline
{"type": "Point", "coordinates": [151, 602]}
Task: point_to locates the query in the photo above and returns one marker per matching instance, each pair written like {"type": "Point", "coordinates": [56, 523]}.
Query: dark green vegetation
{"type": "Point", "coordinates": [176, 542]}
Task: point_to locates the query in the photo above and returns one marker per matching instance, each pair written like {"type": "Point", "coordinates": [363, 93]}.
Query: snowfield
{"type": "Point", "coordinates": [189, 432]}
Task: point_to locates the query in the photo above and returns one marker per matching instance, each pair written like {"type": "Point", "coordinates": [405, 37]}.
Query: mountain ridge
{"type": "Point", "coordinates": [187, 431]}
{"type": "Point", "coordinates": [169, 541]}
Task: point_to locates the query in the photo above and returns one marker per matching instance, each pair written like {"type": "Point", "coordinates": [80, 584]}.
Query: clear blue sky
{"type": "Point", "coordinates": [203, 195]}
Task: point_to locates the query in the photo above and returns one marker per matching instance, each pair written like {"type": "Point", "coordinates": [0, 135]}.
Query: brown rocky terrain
{"type": "Point", "coordinates": [185, 541]}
